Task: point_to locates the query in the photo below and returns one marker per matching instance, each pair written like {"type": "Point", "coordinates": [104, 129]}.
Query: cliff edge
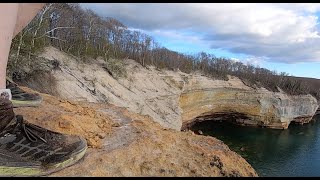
{"type": "Point", "coordinates": [122, 143]}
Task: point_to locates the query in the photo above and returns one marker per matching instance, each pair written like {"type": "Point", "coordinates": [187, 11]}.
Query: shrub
{"type": "Point", "coordinates": [116, 68]}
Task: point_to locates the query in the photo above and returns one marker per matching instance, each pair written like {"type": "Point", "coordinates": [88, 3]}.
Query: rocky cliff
{"type": "Point", "coordinates": [243, 105]}
{"type": "Point", "coordinates": [133, 124]}
{"type": "Point", "coordinates": [177, 100]}
{"type": "Point", "coordinates": [246, 107]}
{"type": "Point", "coordinates": [122, 143]}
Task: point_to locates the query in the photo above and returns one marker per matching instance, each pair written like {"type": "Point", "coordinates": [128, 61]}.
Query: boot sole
{"type": "Point", "coordinates": [38, 171]}
{"type": "Point", "coordinates": [17, 103]}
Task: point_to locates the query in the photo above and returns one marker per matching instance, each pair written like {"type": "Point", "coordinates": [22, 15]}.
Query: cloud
{"type": "Point", "coordinates": [235, 59]}
{"type": "Point", "coordinates": [278, 32]}
{"type": "Point", "coordinates": [255, 61]}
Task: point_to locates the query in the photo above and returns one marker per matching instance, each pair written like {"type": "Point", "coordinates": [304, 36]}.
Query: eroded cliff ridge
{"type": "Point", "coordinates": [246, 107]}
{"type": "Point", "coordinates": [123, 143]}
{"type": "Point", "coordinates": [175, 99]}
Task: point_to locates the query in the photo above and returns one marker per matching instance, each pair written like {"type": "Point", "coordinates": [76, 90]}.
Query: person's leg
{"type": "Point", "coordinates": [8, 19]}
{"type": "Point", "coordinates": [26, 12]}
{"type": "Point", "coordinates": [13, 18]}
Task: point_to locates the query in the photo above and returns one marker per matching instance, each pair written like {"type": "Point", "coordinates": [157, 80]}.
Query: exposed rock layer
{"type": "Point", "coordinates": [257, 107]}
{"type": "Point", "coordinates": [176, 99]}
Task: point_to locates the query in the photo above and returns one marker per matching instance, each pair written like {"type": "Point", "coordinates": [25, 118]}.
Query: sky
{"type": "Point", "coordinates": [278, 36]}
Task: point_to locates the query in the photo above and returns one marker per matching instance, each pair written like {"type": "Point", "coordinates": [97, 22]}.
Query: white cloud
{"type": "Point", "coordinates": [280, 32]}
{"type": "Point", "coordinates": [234, 59]}
{"type": "Point", "coordinates": [174, 36]}
{"type": "Point", "coordinates": [255, 61]}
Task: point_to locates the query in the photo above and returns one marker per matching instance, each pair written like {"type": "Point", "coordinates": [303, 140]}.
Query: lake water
{"type": "Point", "coordinates": [291, 152]}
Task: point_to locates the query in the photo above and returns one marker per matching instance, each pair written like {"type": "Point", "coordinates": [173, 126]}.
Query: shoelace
{"type": "Point", "coordinates": [29, 129]}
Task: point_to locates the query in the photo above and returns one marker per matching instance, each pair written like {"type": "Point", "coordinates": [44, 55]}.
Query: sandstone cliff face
{"type": "Point", "coordinates": [247, 107]}
{"type": "Point", "coordinates": [175, 99]}
{"type": "Point", "coordinates": [122, 143]}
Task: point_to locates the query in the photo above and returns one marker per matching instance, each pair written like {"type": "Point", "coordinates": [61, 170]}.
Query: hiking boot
{"type": "Point", "coordinates": [30, 150]}
{"type": "Point", "coordinates": [21, 98]}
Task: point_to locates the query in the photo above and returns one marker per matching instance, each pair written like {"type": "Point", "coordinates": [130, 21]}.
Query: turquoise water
{"type": "Point", "coordinates": [271, 152]}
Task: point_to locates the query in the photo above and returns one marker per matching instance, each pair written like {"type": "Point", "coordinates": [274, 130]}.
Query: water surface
{"type": "Point", "coordinates": [291, 152]}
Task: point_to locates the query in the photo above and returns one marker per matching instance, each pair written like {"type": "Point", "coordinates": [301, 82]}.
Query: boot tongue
{"type": "Point", "coordinates": [6, 113]}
